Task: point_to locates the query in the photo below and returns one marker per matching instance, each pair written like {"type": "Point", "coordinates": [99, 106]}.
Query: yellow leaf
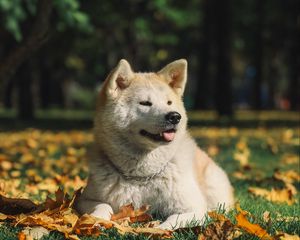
{"type": "Point", "coordinates": [251, 228]}
{"type": "Point", "coordinates": [217, 216]}
{"type": "Point", "coordinates": [239, 175]}
{"type": "Point", "coordinates": [2, 217]}
{"type": "Point", "coordinates": [272, 145]}
{"type": "Point", "coordinates": [275, 195]}
{"type": "Point", "coordinates": [6, 165]}
{"type": "Point", "coordinates": [213, 150]}
{"type": "Point", "coordinates": [289, 176]}
{"type": "Point", "coordinates": [32, 143]}
{"type": "Point", "coordinates": [285, 236]}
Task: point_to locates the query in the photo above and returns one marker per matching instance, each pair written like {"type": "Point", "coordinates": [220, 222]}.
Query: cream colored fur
{"type": "Point", "coordinates": [176, 178]}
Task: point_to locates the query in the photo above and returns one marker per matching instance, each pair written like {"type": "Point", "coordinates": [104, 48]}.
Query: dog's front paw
{"type": "Point", "coordinates": [103, 211]}
{"type": "Point", "coordinates": [166, 226]}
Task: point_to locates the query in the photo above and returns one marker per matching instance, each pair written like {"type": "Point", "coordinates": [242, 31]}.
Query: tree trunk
{"type": "Point", "coordinates": [223, 75]}
{"type": "Point", "coordinates": [294, 58]}
{"type": "Point", "coordinates": [258, 55]}
{"type": "Point", "coordinates": [25, 94]}
{"type": "Point", "coordinates": [8, 92]}
{"type": "Point", "coordinates": [35, 39]}
{"type": "Point", "coordinates": [201, 100]}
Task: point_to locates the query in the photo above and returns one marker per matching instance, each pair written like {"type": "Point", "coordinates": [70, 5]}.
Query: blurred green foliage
{"type": "Point", "coordinates": [14, 12]}
{"type": "Point", "coordinates": [88, 38]}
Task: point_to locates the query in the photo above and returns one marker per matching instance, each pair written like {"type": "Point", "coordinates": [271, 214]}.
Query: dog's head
{"type": "Point", "coordinates": [144, 109]}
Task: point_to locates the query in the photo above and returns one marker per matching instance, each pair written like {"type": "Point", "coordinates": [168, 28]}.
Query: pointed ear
{"type": "Point", "coordinates": [119, 78]}
{"type": "Point", "coordinates": [175, 73]}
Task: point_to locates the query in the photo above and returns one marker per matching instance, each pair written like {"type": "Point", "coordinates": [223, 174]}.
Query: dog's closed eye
{"type": "Point", "coordinates": [146, 103]}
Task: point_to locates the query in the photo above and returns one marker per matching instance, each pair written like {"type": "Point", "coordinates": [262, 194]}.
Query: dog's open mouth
{"type": "Point", "coordinates": [165, 136]}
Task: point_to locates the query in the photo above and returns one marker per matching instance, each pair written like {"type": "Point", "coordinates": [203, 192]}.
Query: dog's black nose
{"type": "Point", "coordinates": [173, 117]}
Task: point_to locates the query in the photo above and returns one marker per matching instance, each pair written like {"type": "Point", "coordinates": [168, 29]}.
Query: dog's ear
{"type": "Point", "coordinates": [175, 73]}
{"type": "Point", "coordinates": [119, 78]}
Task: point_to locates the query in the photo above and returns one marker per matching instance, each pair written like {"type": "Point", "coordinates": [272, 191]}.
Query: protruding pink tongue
{"type": "Point", "coordinates": [168, 136]}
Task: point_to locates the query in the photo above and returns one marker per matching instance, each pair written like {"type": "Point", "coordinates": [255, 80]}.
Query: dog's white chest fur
{"type": "Point", "coordinates": [169, 189]}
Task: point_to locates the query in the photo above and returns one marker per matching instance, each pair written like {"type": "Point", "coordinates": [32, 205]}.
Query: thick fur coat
{"type": "Point", "coordinates": [143, 153]}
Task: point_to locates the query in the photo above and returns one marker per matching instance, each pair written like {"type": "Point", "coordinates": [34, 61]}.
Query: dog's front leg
{"type": "Point", "coordinates": [181, 220]}
{"type": "Point", "coordinates": [96, 209]}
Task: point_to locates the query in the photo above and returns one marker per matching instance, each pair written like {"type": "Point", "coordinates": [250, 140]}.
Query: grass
{"type": "Point", "coordinates": [59, 151]}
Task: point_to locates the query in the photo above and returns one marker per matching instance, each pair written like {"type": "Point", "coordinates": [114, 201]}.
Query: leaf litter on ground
{"type": "Point", "coordinates": [40, 150]}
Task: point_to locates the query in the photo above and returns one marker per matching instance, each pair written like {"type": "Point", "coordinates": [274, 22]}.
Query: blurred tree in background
{"type": "Point", "coordinates": [241, 53]}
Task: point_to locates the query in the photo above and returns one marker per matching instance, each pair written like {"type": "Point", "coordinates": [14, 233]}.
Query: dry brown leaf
{"type": "Point", "coordinates": [213, 150]}
{"type": "Point", "coordinates": [272, 145]}
{"type": "Point", "coordinates": [290, 158]}
{"type": "Point", "coordinates": [6, 165]}
{"type": "Point", "coordinates": [241, 145]}
{"type": "Point", "coordinates": [59, 198]}
{"type": "Point", "coordinates": [153, 232]}
{"type": "Point", "coordinates": [12, 206]}
{"type": "Point", "coordinates": [152, 224]}
{"type": "Point", "coordinates": [239, 175]}
{"type": "Point", "coordinates": [88, 224]}
{"type": "Point", "coordinates": [239, 209]}
{"type": "Point", "coordinates": [275, 195]}
{"type": "Point", "coordinates": [217, 216]}
{"type": "Point", "coordinates": [285, 236]}
{"type": "Point", "coordinates": [242, 153]}
{"type": "Point", "coordinates": [127, 211]}
{"type": "Point", "coordinates": [32, 143]}
{"type": "Point", "coordinates": [251, 228]}
{"type": "Point", "coordinates": [35, 233]}
{"type": "Point", "coordinates": [287, 136]}
{"type": "Point", "coordinates": [289, 176]}
{"type": "Point", "coordinates": [267, 217]}
{"type": "Point", "coordinates": [287, 218]}
{"type": "Point", "coordinates": [219, 230]}
{"type": "Point", "coordinates": [2, 216]}
{"type": "Point", "coordinates": [22, 236]}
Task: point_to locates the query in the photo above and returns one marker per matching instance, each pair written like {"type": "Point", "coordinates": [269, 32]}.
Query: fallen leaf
{"type": "Point", "coordinates": [13, 206]}
{"type": "Point", "coordinates": [128, 211]}
{"type": "Point", "coordinates": [219, 230]}
{"type": "Point", "coordinates": [2, 217]}
{"type": "Point", "coordinates": [213, 150]}
{"type": "Point", "coordinates": [274, 195]}
{"type": "Point", "coordinates": [285, 236]}
{"type": "Point", "coordinates": [217, 216]}
{"type": "Point", "coordinates": [266, 217]}
{"type": "Point", "coordinates": [242, 153]}
{"type": "Point", "coordinates": [6, 165]}
{"type": "Point", "coordinates": [22, 236]}
{"type": "Point", "coordinates": [251, 228]}
{"type": "Point", "coordinates": [239, 175]}
{"type": "Point", "coordinates": [59, 199]}
{"type": "Point", "coordinates": [239, 209]}
{"type": "Point", "coordinates": [287, 136]}
{"type": "Point", "coordinates": [289, 158]}
{"type": "Point", "coordinates": [35, 233]}
{"type": "Point", "coordinates": [272, 145]}
{"type": "Point", "coordinates": [289, 176]}
{"type": "Point", "coordinates": [287, 218]}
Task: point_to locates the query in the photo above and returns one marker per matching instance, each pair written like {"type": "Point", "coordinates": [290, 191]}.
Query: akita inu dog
{"type": "Point", "coordinates": [143, 153]}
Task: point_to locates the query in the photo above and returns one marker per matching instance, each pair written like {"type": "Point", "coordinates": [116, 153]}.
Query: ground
{"type": "Point", "coordinates": [262, 161]}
